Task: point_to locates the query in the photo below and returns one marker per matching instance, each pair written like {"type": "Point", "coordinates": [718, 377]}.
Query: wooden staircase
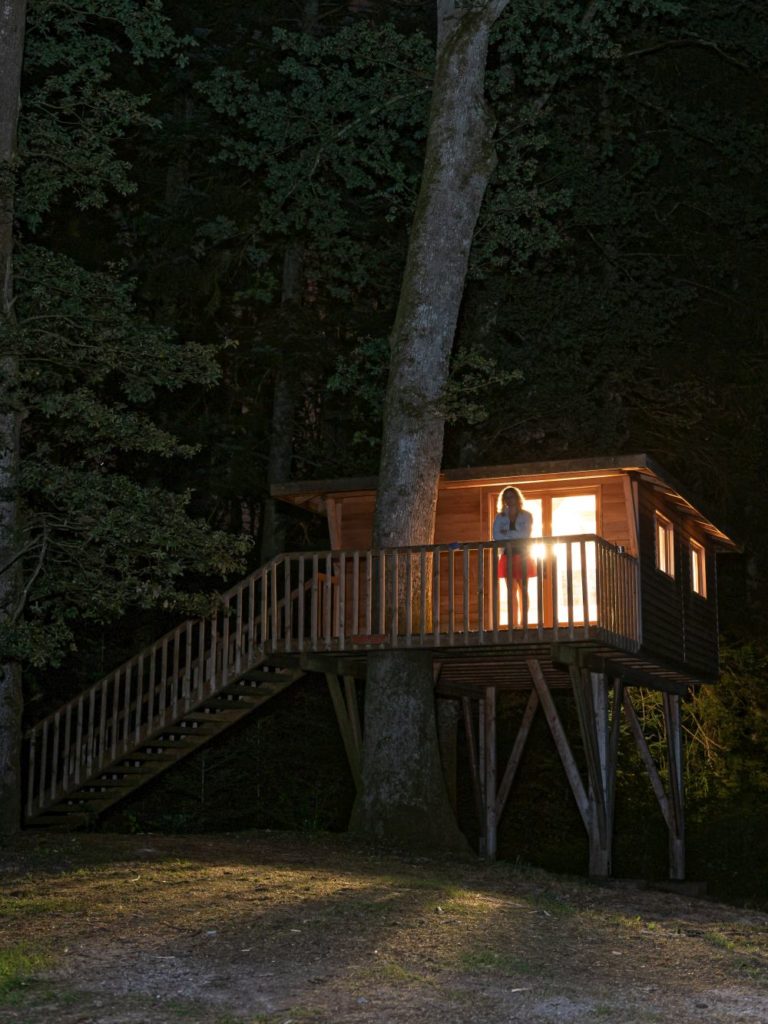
{"type": "Point", "coordinates": [153, 710]}
{"type": "Point", "coordinates": [207, 673]}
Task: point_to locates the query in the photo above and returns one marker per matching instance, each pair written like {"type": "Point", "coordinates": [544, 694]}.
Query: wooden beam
{"type": "Point", "coordinates": [517, 752]}
{"type": "Point", "coordinates": [473, 765]}
{"type": "Point", "coordinates": [345, 727]}
{"type": "Point", "coordinates": [677, 801]}
{"type": "Point", "coordinates": [561, 742]}
{"type": "Point", "coordinates": [647, 759]}
{"type": "Point", "coordinates": [633, 521]}
{"type": "Point", "coordinates": [489, 724]}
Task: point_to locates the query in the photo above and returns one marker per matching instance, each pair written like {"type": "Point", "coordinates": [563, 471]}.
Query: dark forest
{"type": "Point", "coordinates": [205, 214]}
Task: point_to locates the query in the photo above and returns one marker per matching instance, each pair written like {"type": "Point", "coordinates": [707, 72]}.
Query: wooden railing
{"type": "Point", "coordinates": [566, 588]}
{"type": "Point", "coordinates": [556, 588]}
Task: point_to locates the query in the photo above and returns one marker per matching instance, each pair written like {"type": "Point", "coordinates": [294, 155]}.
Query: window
{"type": "Point", "coordinates": [665, 545]}
{"type": "Point", "coordinates": [698, 569]}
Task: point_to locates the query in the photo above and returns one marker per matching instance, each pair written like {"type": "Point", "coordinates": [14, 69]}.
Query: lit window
{"type": "Point", "coordinates": [665, 545]}
{"type": "Point", "coordinates": [698, 569]}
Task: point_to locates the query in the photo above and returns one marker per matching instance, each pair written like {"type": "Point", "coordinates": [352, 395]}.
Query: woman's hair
{"type": "Point", "coordinates": [509, 490]}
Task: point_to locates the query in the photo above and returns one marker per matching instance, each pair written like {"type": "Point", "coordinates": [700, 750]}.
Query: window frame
{"type": "Point", "coordinates": [698, 568]}
{"type": "Point", "coordinates": [663, 525]}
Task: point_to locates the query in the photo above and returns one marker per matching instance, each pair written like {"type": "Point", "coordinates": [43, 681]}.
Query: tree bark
{"type": "Point", "coordinates": [12, 23]}
{"type": "Point", "coordinates": [402, 781]}
{"type": "Point", "coordinates": [283, 411]}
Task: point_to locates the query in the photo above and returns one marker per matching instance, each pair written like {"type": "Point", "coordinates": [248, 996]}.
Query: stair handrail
{"type": "Point", "coordinates": [221, 599]}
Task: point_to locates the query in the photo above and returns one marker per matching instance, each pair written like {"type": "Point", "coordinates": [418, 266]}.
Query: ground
{"type": "Point", "coordinates": [285, 929]}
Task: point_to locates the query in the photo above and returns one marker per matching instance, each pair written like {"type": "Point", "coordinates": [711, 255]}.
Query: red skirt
{"type": "Point", "coordinates": [517, 567]}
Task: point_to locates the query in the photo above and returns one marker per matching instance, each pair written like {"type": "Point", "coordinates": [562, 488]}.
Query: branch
{"type": "Point", "coordinates": [669, 44]}
{"type": "Point", "coordinates": [30, 582]}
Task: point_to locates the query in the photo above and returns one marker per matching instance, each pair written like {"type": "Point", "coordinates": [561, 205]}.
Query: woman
{"type": "Point", "coordinates": [514, 523]}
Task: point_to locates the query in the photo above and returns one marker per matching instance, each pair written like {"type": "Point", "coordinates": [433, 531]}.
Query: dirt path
{"type": "Point", "coordinates": [282, 928]}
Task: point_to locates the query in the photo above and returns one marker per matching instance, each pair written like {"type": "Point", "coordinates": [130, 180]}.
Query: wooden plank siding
{"type": "Point", "coordinates": [678, 625]}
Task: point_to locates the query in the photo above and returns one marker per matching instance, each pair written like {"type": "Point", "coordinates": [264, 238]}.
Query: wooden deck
{"type": "Point", "coordinates": [196, 680]}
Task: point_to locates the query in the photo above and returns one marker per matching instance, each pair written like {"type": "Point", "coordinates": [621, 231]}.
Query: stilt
{"type": "Point", "coordinates": [474, 770]}
{"type": "Point", "coordinates": [347, 715]}
{"type": "Point", "coordinates": [601, 749]}
{"type": "Point", "coordinates": [489, 731]}
{"type": "Point", "coordinates": [561, 742]}
{"type": "Point", "coordinates": [671, 806]}
{"type": "Point", "coordinates": [676, 791]}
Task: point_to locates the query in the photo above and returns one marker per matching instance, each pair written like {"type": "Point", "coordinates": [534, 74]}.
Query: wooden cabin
{"type": "Point", "coordinates": [616, 589]}
{"type": "Point", "coordinates": [622, 562]}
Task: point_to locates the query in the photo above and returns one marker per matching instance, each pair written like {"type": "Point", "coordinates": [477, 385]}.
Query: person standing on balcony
{"type": "Point", "coordinates": [514, 523]}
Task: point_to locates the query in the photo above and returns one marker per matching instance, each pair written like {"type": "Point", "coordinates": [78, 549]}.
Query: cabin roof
{"type": "Point", "coordinates": [312, 493]}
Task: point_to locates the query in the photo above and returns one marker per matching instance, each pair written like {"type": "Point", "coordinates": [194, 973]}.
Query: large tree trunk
{"type": "Point", "coordinates": [284, 400]}
{"type": "Point", "coordinates": [12, 22]}
{"type": "Point", "coordinates": [404, 799]}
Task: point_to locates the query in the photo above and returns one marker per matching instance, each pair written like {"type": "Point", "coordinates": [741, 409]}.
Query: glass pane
{"type": "Point", "coordinates": [572, 515]}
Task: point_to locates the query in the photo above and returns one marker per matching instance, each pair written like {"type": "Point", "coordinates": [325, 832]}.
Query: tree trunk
{"type": "Point", "coordinates": [404, 799]}
{"type": "Point", "coordinates": [12, 22]}
{"type": "Point", "coordinates": [283, 411]}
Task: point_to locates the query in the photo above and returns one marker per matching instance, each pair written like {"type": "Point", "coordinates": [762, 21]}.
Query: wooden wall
{"type": "Point", "coordinates": [678, 625]}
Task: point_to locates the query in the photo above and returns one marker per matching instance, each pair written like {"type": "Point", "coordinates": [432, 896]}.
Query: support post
{"type": "Point", "coordinates": [350, 730]}
{"type": "Point", "coordinates": [676, 790]}
{"type": "Point", "coordinates": [474, 768]}
{"type": "Point", "coordinates": [489, 728]}
{"type": "Point", "coordinates": [601, 749]}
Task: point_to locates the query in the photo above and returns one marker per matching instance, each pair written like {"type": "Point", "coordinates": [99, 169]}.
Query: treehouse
{"type": "Point", "coordinates": [614, 589]}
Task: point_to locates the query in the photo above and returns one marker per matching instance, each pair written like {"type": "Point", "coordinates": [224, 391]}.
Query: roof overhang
{"type": "Point", "coordinates": [312, 494]}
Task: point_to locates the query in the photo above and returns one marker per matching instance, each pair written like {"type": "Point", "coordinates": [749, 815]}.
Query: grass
{"type": "Point", "coordinates": [18, 966]}
{"type": "Point", "coordinates": [489, 960]}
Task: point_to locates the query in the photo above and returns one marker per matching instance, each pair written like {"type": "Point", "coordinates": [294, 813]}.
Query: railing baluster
{"type": "Point", "coordinates": [42, 782]}
{"type": "Point", "coordinates": [139, 697]}
{"type": "Point", "coordinates": [451, 596]}
{"type": "Point", "coordinates": [226, 660]}
{"type": "Point", "coordinates": [342, 602]}
{"type": "Point", "coordinates": [151, 716]}
{"type": "Point", "coordinates": [176, 672]}
{"type": "Point", "coordinates": [31, 770]}
{"type": "Point", "coordinates": [465, 591]}
{"type": "Point", "coordinates": [394, 604]}
{"type": "Point", "coordinates": [125, 711]}
{"type": "Point", "coordinates": [187, 665]}
{"type": "Point", "coordinates": [355, 623]}
{"type": "Point", "coordinates": [369, 593]}
{"type": "Point", "coordinates": [115, 712]}
{"type": "Point", "coordinates": [408, 597]}
{"type": "Point", "coordinates": [287, 603]}
{"type": "Point", "coordinates": [252, 620]}
{"type": "Point", "coordinates": [382, 593]}
{"type": "Point", "coordinates": [422, 595]}
{"type": "Point", "coordinates": [91, 730]}
{"type": "Point", "coordinates": [265, 608]}
{"type": "Point", "coordinates": [495, 596]}
{"type": "Point", "coordinates": [436, 561]}
{"type": "Point", "coordinates": [275, 608]}
{"type": "Point", "coordinates": [569, 585]}
{"type": "Point", "coordinates": [162, 696]}
{"type": "Point", "coordinates": [327, 600]}
{"type": "Point", "coordinates": [540, 598]}
{"type": "Point", "coordinates": [584, 586]}
{"type": "Point", "coordinates": [301, 601]}
{"type": "Point", "coordinates": [239, 631]}
{"type": "Point", "coordinates": [55, 757]}
{"type": "Point", "coordinates": [314, 606]}
{"type": "Point", "coordinates": [79, 740]}
{"type": "Point", "coordinates": [481, 593]}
